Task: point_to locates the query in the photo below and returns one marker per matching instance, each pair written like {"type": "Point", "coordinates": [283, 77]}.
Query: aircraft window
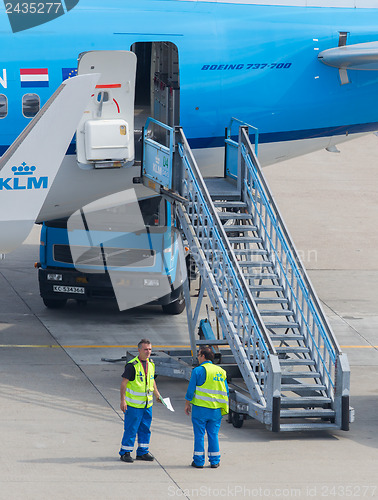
{"type": "Point", "coordinates": [3, 106]}
{"type": "Point", "coordinates": [30, 105]}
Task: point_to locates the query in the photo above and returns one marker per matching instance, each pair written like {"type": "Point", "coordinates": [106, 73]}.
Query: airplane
{"type": "Point", "coordinates": [303, 72]}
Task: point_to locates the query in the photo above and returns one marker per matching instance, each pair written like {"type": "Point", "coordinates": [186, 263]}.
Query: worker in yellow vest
{"type": "Point", "coordinates": [138, 384]}
{"type": "Point", "coordinates": [207, 400]}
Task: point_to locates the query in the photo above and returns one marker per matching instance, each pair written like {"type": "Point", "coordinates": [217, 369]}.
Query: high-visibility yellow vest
{"type": "Point", "coordinates": [139, 392]}
{"type": "Point", "coordinates": [213, 393]}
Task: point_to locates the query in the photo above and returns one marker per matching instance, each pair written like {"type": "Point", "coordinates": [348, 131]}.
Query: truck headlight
{"type": "Point", "coordinates": [151, 282]}
{"type": "Point", "coordinates": [54, 277]}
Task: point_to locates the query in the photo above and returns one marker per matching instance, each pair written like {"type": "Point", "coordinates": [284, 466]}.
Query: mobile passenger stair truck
{"type": "Point", "coordinates": [274, 333]}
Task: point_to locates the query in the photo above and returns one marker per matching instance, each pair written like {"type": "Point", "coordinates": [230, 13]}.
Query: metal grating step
{"type": "Point", "coordinates": [284, 324]}
{"type": "Point", "coordinates": [239, 227]}
{"type": "Point", "coordinates": [286, 337]}
{"type": "Point", "coordinates": [251, 252]}
{"type": "Point", "coordinates": [276, 312]}
{"type": "Point", "coordinates": [257, 263]}
{"type": "Point", "coordinates": [260, 276]}
{"type": "Point", "coordinates": [310, 426]}
{"type": "Point", "coordinates": [310, 401]}
{"type": "Point", "coordinates": [285, 374]}
{"type": "Point", "coordinates": [305, 413]}
{"type": "Point", "coordinates": [230, 204]}
{"type": "Point", "coordinates": [271, 300]}
{"type": "Point", "coordinates": [296, 361]}
{"type": "Point", "coordinates": [244, 239]}
{"type": "Point", "coordinates": [292, 349]}
{"type": "Point", "coordinates": [302, 387]}
{"type": "Point", "coordinates": [233, 215]}
{"type": "Point", "coordinates": [266, 288]}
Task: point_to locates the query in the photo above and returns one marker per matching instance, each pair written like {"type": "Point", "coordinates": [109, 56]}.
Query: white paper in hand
{"type": "Point", "coordinates": [167, 403]}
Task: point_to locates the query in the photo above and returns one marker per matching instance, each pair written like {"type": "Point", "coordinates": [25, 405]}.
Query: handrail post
{"type": "Point", "coordinates": [178, 168]}
{"type": "Point", "coordinates": [241, 162]}
{"type": "Point", "coordinates": [273, 394]}
{"type": "Point", "coordinates": [342, 391]}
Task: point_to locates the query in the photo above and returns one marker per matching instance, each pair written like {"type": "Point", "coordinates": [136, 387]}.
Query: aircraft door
{"type": "Point", "coordinates": [105, 135]}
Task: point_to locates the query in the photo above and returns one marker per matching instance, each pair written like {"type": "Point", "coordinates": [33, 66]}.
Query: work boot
{"type": "Point", "coordinates": [215, 466]}
{"type": "Point", "coordinates": [126, 457]}
{"type": "Point", "coordinates": [193, 464]}
{"type": "Point", "coordinates": [147, 457]}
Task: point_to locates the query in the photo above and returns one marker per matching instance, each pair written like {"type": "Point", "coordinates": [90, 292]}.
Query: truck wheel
{"type": "Point", "coordinates": [237, 419]}
{"type": "Point", "coordinates": [54, 303]}
{"type": "Point", "coordinates": [175, 307]}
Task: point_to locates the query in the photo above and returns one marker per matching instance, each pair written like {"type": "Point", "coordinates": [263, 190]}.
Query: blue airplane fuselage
{"type": "Point", "coordinates": [258, 63]}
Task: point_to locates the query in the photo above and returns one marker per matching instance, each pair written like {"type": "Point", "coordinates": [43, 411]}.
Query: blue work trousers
{"type": "Point", "coordinates": [206, 420]}
{"type": "Point", "coordinates": [137, 421]}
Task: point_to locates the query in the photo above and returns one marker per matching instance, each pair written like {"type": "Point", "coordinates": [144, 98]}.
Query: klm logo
{"type": "Point", "coordinates": [23, 178]}
{"type": "Point", "coordinates": [218, 378]}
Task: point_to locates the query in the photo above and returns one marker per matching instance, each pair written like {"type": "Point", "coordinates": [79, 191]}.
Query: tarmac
{"type": "Point", "coordinates": [60, 421]}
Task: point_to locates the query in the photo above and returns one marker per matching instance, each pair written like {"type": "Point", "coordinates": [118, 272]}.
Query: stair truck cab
{"type": "Point", "coordinates": [133, 268]}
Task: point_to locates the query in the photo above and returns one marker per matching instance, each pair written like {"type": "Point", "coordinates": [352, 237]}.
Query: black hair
{"type": "Point", "coordinates": [207, 352]}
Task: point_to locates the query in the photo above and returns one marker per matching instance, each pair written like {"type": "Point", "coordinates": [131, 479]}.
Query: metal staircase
{"type": "Point", "coordinates": [295, 375]}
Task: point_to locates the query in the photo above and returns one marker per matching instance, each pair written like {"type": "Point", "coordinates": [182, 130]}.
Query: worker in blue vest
{"type": "Point", "coordinates": [138, 384]}
{"type": "Point", "coordinates": [207, 400]}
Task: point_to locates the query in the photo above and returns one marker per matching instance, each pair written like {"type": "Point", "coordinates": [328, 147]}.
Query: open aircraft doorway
{"type": "Point", "coordinates": [157, 88]}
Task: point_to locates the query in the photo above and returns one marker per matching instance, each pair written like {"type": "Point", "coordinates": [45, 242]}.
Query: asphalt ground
{"type": "Point", "coordinates": [60, 421]}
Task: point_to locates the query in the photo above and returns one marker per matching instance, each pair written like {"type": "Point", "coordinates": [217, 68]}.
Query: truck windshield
{"type": "Point", "coordinates": [151, 210]}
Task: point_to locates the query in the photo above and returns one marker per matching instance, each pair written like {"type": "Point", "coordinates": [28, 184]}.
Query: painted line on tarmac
{"type": "Point", "coordinates": [359, 347]}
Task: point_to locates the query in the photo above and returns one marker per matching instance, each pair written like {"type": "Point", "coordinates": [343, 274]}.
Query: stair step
{"type": "Point", "coordinates": [276, 312]}
{"type": "Point", "coordinates": [284, 324]}
{"type": "Point", "coordinates": [230, 204]}
{"type": "Point", "coordinates": [244, 239]}
{"type": "Point", "coordinates": [233, 215]}
{"type": "Point", "coordinates": [308, 374]}
{"type": "Point", "coordinates": [257, 263]}
{"type": "Point", "coordinates": [286, 337]}
{"type": "Point", "coordinates": [302, 387]}
{"type": "Point", "coordinates": [250, 251]}
{"type": "Point", "coordinates": [271, 300]}
{"type": "Point", "coordinates": [239, 227]}
{"type": "Point", "coordinates": [286, 349]}
{"type": "Point", "coordinates": [296, 362]}
{"type": "Point", "coordinates": [310, 401]}
{"type": "Point", "coordinates": [260, 276]}
{"type": "Point", "coordinates": [266, 288]}
{"type": "Point", "coordinates": [308, 427]}
{"type": "Point", "coordinates": [304, 413]}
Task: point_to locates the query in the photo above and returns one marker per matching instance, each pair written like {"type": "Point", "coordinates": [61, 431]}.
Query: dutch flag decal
{"type": "Point", "coordinates": [34, 77]}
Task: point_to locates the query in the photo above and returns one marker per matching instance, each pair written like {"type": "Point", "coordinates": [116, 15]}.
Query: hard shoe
{"type": "Point", "coordinates": [193, 464]}
{"type": "Point", "coordinates": [126, 457]}
{"type": "Point", "coordinates": [215, 466]}
{"type": "Point", "coordinates": [147, 457]}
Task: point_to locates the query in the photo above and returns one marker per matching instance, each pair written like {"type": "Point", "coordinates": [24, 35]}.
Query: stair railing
{"type": "Point", "coordinates": [231, 298]}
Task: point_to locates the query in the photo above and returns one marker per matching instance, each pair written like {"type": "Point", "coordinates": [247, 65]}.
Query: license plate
{"type": "Point", "coordinates": [68, 289]}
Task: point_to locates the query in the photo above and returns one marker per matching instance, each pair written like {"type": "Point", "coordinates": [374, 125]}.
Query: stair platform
{"type": "Point", "coordinates": [222, 188]}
